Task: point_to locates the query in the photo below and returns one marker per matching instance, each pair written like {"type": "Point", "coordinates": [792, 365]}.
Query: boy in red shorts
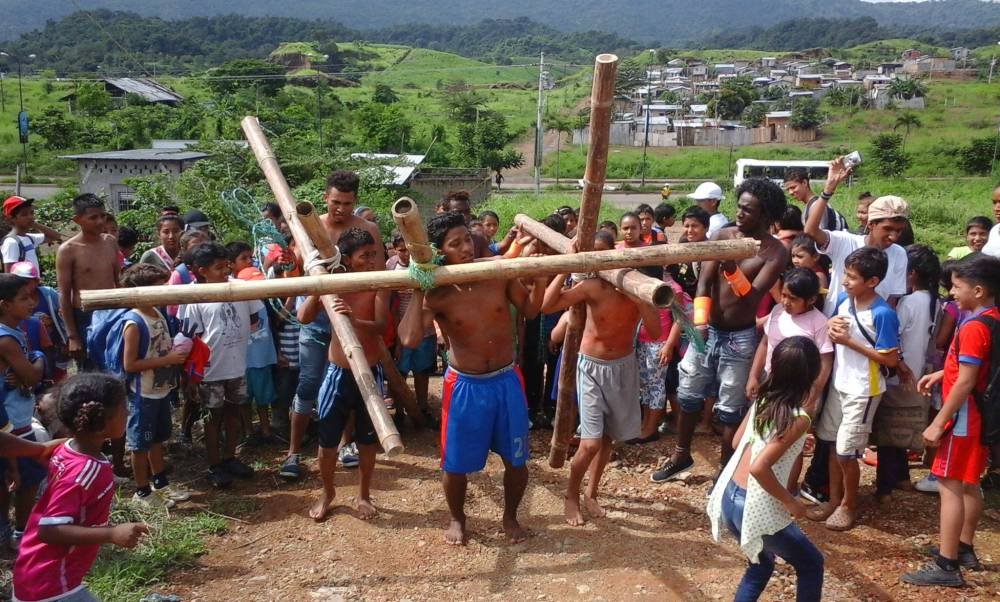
{"type": "Point", "coordinates": [961, 456]}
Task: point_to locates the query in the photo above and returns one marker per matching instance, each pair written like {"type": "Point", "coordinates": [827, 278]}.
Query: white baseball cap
{"type": "Point", "coordinates": [706, 191]}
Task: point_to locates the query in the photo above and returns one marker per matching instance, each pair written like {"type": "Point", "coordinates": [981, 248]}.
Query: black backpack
{"type": "Point", "coordinates": [988, 401]}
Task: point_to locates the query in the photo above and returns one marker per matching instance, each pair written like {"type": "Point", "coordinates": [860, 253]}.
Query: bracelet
{"type": "Point", "coordinates": [738, 281]}
{"type": "Point", "coordinates": [826, 196]}
{"type": "Point", "coordinates": [702, 305]}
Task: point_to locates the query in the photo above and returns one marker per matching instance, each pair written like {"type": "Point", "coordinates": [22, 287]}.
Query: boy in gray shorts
{"type": "Point", "coordinates": [607, 379]}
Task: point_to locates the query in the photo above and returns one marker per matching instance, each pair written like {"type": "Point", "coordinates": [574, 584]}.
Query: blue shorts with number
{"type": "Point", "coordinates": [483, 413]}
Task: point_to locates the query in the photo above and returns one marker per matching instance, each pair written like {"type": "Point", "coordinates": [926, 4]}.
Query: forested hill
{"type": "Point", "coordinates": [796, 34]}
{"type": "Point", "coordinates": [669, 21]}
{"type": "Point", "coordinates": [73, 44]}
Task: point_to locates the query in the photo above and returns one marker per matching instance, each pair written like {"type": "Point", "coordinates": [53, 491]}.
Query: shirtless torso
{"type": "Point", "coordinates": [336, 228]}
{"type": "Point", "coordinates": [365, 306]}
{"type": "Point", "coordinates": [89, 264]}
{"type": "Point", "coordinates": [729, 311]}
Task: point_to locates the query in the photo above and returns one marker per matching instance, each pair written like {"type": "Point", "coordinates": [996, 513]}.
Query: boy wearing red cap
{"type": "Point", "coordinates": [20, 244]}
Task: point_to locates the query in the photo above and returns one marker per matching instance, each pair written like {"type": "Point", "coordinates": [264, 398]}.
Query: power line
{"type": "Point", "coordinates": [111, 37]}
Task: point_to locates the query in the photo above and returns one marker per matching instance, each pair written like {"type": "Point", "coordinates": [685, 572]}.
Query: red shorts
{"type": "Point", "coordinates": [960, 458]}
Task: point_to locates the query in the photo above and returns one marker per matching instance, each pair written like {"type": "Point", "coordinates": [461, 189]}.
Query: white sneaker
{"type": "Point", "coordinates": [171, 493]}
{"type": "Point", "coordinates": [152, 502]}
{"type": "Point", "coordinates": [928, 484]}
{"type": "Point", "coordinates": [349, 456]}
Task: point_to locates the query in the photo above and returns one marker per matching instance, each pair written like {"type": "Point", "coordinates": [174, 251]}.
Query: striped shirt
{"type": "Point", "coordinates": [288, 343]}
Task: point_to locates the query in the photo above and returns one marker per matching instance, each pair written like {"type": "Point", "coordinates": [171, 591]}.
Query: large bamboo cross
{"type": "Point", "coordinates": [310, 236]}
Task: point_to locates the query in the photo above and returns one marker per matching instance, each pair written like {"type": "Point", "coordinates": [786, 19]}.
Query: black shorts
{"type": "Point", "coordinates": [338, 396]}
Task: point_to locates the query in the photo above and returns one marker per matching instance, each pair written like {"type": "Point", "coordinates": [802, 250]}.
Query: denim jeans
{"type": "Point", "coordinates": [721, 371]}
{"type": "Point", "coordinates": [312, 368]}
{"type": "Point", "coordinates": [790, 543]}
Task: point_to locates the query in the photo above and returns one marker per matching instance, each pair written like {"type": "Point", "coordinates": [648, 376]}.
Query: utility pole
{"type": "Point", "coordinates": [649, 96]}
{"type": "Point", "coordinates": [538, 127]}
{"type": "Point", "coordinates": [993, 63]}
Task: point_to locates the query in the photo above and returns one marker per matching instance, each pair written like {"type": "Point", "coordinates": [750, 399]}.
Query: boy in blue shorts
{"type": "Point", "coordinates": [483, 407]}
{"type": "Point", "coordinates": [153, 371]}
{"type": "Point", "coordinates": [339, 395]}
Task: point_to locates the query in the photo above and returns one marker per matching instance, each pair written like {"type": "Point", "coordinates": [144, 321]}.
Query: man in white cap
{"type": "Point", "coordinates": [887, 218]}
{"type": "Point", "coordinates": [708, 195]}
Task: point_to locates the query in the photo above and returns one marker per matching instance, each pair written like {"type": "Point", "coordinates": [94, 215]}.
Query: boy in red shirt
{"type": "Point", "coordinates": [961, 456]}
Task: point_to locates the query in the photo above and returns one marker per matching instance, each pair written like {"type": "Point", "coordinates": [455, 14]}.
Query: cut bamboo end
{"type": "Point", "coordinates": [607, 58]}
{"type": "Point", "coordinates": [403, 207]}
{"type": "Point", "coordinates": [663, 297]}
{"type": "Point", "coordinates": [304, 208]}
{"type": "Point", "coordinates": [392, 445]}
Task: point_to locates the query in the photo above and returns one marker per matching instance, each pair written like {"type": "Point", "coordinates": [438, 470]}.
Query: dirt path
{"type": "Point", "coordinates": [654, 545]}
{"type": "Point", "coordinates": [527, 148]}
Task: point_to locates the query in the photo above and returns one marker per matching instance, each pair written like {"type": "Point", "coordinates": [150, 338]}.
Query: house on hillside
{"type": "Point", "coordinates": [768, 62]}
{"type": "Point", "coordinates": [959, 53]}
{"type": "Point", "coordinates": [775, 118]}
{"type": "Point", "coordinates": [910, 54]}
{"type": "Point", "coordinates": [928, 64]}
{"type": "Point", "coordinates": [104, 173]}
{"type": "Point", "coordinates": [889, 68]}
{"type": "Point", "coordinates": [149, 90]}
{"type": "Point", "coordinates": [870, 81]}
{"type": "Point", "coordinates": [808, 80]}
{"type": "Point", "coordinates": [724, 68]}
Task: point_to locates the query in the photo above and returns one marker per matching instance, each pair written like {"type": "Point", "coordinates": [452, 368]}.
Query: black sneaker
{"type": "Point", "coordinates": [254, 440]}
{"type": "Point", "coordinates": [812, 494]}
{"type": "Point", "coordinates": [237, 468]}
{"type": "Point", "coordinates": [932, 574]}
{"type": "Point", "coordinates": [290, 467]}
{"type": "Point", "coordinates": [966, 560]}
{"type": "Point", "coordinates": [671, 470]}
{"type": "Point", "coordinates": [218, 478]}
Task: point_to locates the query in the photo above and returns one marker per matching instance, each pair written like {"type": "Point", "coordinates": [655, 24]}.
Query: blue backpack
{"type": "Point", "coordinates": [105, 343]}
{"type": "Point", "coordinates": [184, 273]}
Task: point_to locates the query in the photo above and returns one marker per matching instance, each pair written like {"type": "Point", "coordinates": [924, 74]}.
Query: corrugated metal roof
{"type": "Point", "coordinates": [778, 114]}
{"type": "Point", "coordinates": [402, 172]}
{"type": "Point", "coordinates": [140, 154]}
{"type": "Point", "coordinates": [151, 90]}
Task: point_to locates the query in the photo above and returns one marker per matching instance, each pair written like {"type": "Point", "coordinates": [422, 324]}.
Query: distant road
{"type": "Point", "coordinates": [34, 191]}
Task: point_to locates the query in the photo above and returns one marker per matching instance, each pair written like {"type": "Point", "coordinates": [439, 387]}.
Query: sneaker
{"type": "Point", "coordinates": [218, 478]}
{"type": "Point", "coordinates": [932, 574]}
{"type": "Point", "coordinates": [966, 560]}
{"type": "Point", "coordinates": [236, 468]}
{"type": "Point", "coordinates": [152, 502]}
{"type": "Point", "coordinates": [169, 493]}
{"type": "Point", "coordinates": [349, 456]}
{"type": "Point", "coordinates": [290, 467]}
{"type": "Point", "coordinates": [928, 484]}
{"type": "Point", "coordinates": [15, 540]}
{"type": "Point", "coordinates": [670, 470]}
{"type": "Point", "coordinates": [815, 496]}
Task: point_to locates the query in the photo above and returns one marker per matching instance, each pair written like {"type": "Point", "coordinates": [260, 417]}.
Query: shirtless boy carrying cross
{"type": "Point", "coordinates": [483, 406]}
{"type": "Point", "coordinates": [607, 379]}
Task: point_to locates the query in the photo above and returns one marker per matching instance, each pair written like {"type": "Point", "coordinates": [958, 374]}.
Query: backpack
{"type": "Point", "coordinates": [988, 401]}
{"type": "Point", "coordinates": [105, 343]}
{"type": "Point", "coordinates": [834, 219]}
{"type": "Point", "coordinates": [22, 251]}
{"type": "Point", "coordinates": [184, 273]}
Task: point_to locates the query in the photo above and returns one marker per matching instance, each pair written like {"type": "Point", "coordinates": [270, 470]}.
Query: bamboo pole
{"type": "Point", "coordinates": [655, 292]}
{"type": "Point", "coordinates": [407, 218]}
{"type": "Point", "coordinates": [310, 235]}
{"type": "Point", "coordinates": [601, 101]}
{"type": "Point", "coordinates": [327, 284]}
{"type": "Point", "coordinates": [397, 386]}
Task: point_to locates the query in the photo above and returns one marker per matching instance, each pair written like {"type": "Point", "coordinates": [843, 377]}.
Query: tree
{"type": "Point", "coordinates": [907, 88]}
{"type": "Point", "coordinates": [728, 104]}
{"type": "Point", "coordinates": [672, 97]}
{"type": "Point", "coordinates": [630, 76]}
{"type": "Point", "coordinates": [805, 114]}
{"type": "Point", "coordinates": [92, 100]}
{"type": "Point", "coordinates": [887, 156]}
{"type": "Point", "coordinates": [384, 94]}
{"type": "Point", "coordinates": [253, 75]}
{"type": "Point", "coordinates": [753, 115]}
{"type": "Point", "coordinates": [560, 125]}
{"type": "Point", "coordinates": [978, 157]}
{"type": "Point", "coordinates": [382, 127]}
{"type": "Point", "coordinates": [465, 106]}
{"type": "Point", "coordinates": [907, 121]}
{"type": "Point", "coordinates": [482, 144]}
{"type": "Point", "coordinates": [57, 128]}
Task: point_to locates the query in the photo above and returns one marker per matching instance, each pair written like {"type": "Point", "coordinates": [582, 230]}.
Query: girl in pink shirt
{"type": "Point", "coordinates": [70, 520]}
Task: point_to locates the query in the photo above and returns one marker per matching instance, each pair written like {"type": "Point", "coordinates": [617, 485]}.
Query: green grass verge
{"type": "Point", "coordinates": [174, 542]}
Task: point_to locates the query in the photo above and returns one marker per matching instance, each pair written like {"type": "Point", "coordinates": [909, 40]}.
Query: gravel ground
{"type": "Point", "coordinates": [655, 543]}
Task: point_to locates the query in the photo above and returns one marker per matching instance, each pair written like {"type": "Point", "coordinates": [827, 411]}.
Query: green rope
{"type": "Point", "coordinates": [423, 273]}
{"type": "Point", "coordinates": [681, 316]}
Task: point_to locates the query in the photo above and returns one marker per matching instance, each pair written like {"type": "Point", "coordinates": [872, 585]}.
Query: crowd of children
{"type": "Point", "coordinates": [827, 343]}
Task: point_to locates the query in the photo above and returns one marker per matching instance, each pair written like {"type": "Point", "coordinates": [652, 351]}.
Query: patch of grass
{"type": "Point", "coordinates": [174, 542]}
{"type": "Point", "coordinates": [235, 506]}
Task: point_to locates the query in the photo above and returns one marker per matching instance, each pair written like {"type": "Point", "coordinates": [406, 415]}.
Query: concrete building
{"type": "Point", "coordinates": [959, 53]}
{"type": "Point", "coordinates": [104, 173]}
{"type": "Point", "coordinates": [149, 90]}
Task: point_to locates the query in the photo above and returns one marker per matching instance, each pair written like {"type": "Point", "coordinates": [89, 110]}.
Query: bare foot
{"type": "Point", "coordinates": [455, 535]}
{"type": "Point", "coordinates": [366, 510]}
{"type": "Point", "coordinates": [515, 532]}
{"type": "Point", "coordinates": [573, 515]}
{"type": "Point", "coordinates": [318, 512]}
{"type": "Point", "coordinates": [593, 508]}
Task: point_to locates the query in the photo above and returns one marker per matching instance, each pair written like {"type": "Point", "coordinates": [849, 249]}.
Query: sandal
{"type": "Point", "coordinates": [821, 512]}
{"type": "Point", "coordinates": [842, 519]}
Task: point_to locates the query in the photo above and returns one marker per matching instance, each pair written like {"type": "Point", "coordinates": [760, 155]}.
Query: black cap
{"type": "Point", "coordinates": [195, 218]}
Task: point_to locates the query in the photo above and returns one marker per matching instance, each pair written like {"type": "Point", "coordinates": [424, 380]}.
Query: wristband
{"type": "Point", "coordinates": [826, 196]}
{"type": "Point", "coordinates": [702, 305]}
{"type": "Point", "coordinates": [513, 251]}
{"type": "Point", "coordinates": [511, 233]}
{"type": "Point", "coordinates": [738, 281]}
